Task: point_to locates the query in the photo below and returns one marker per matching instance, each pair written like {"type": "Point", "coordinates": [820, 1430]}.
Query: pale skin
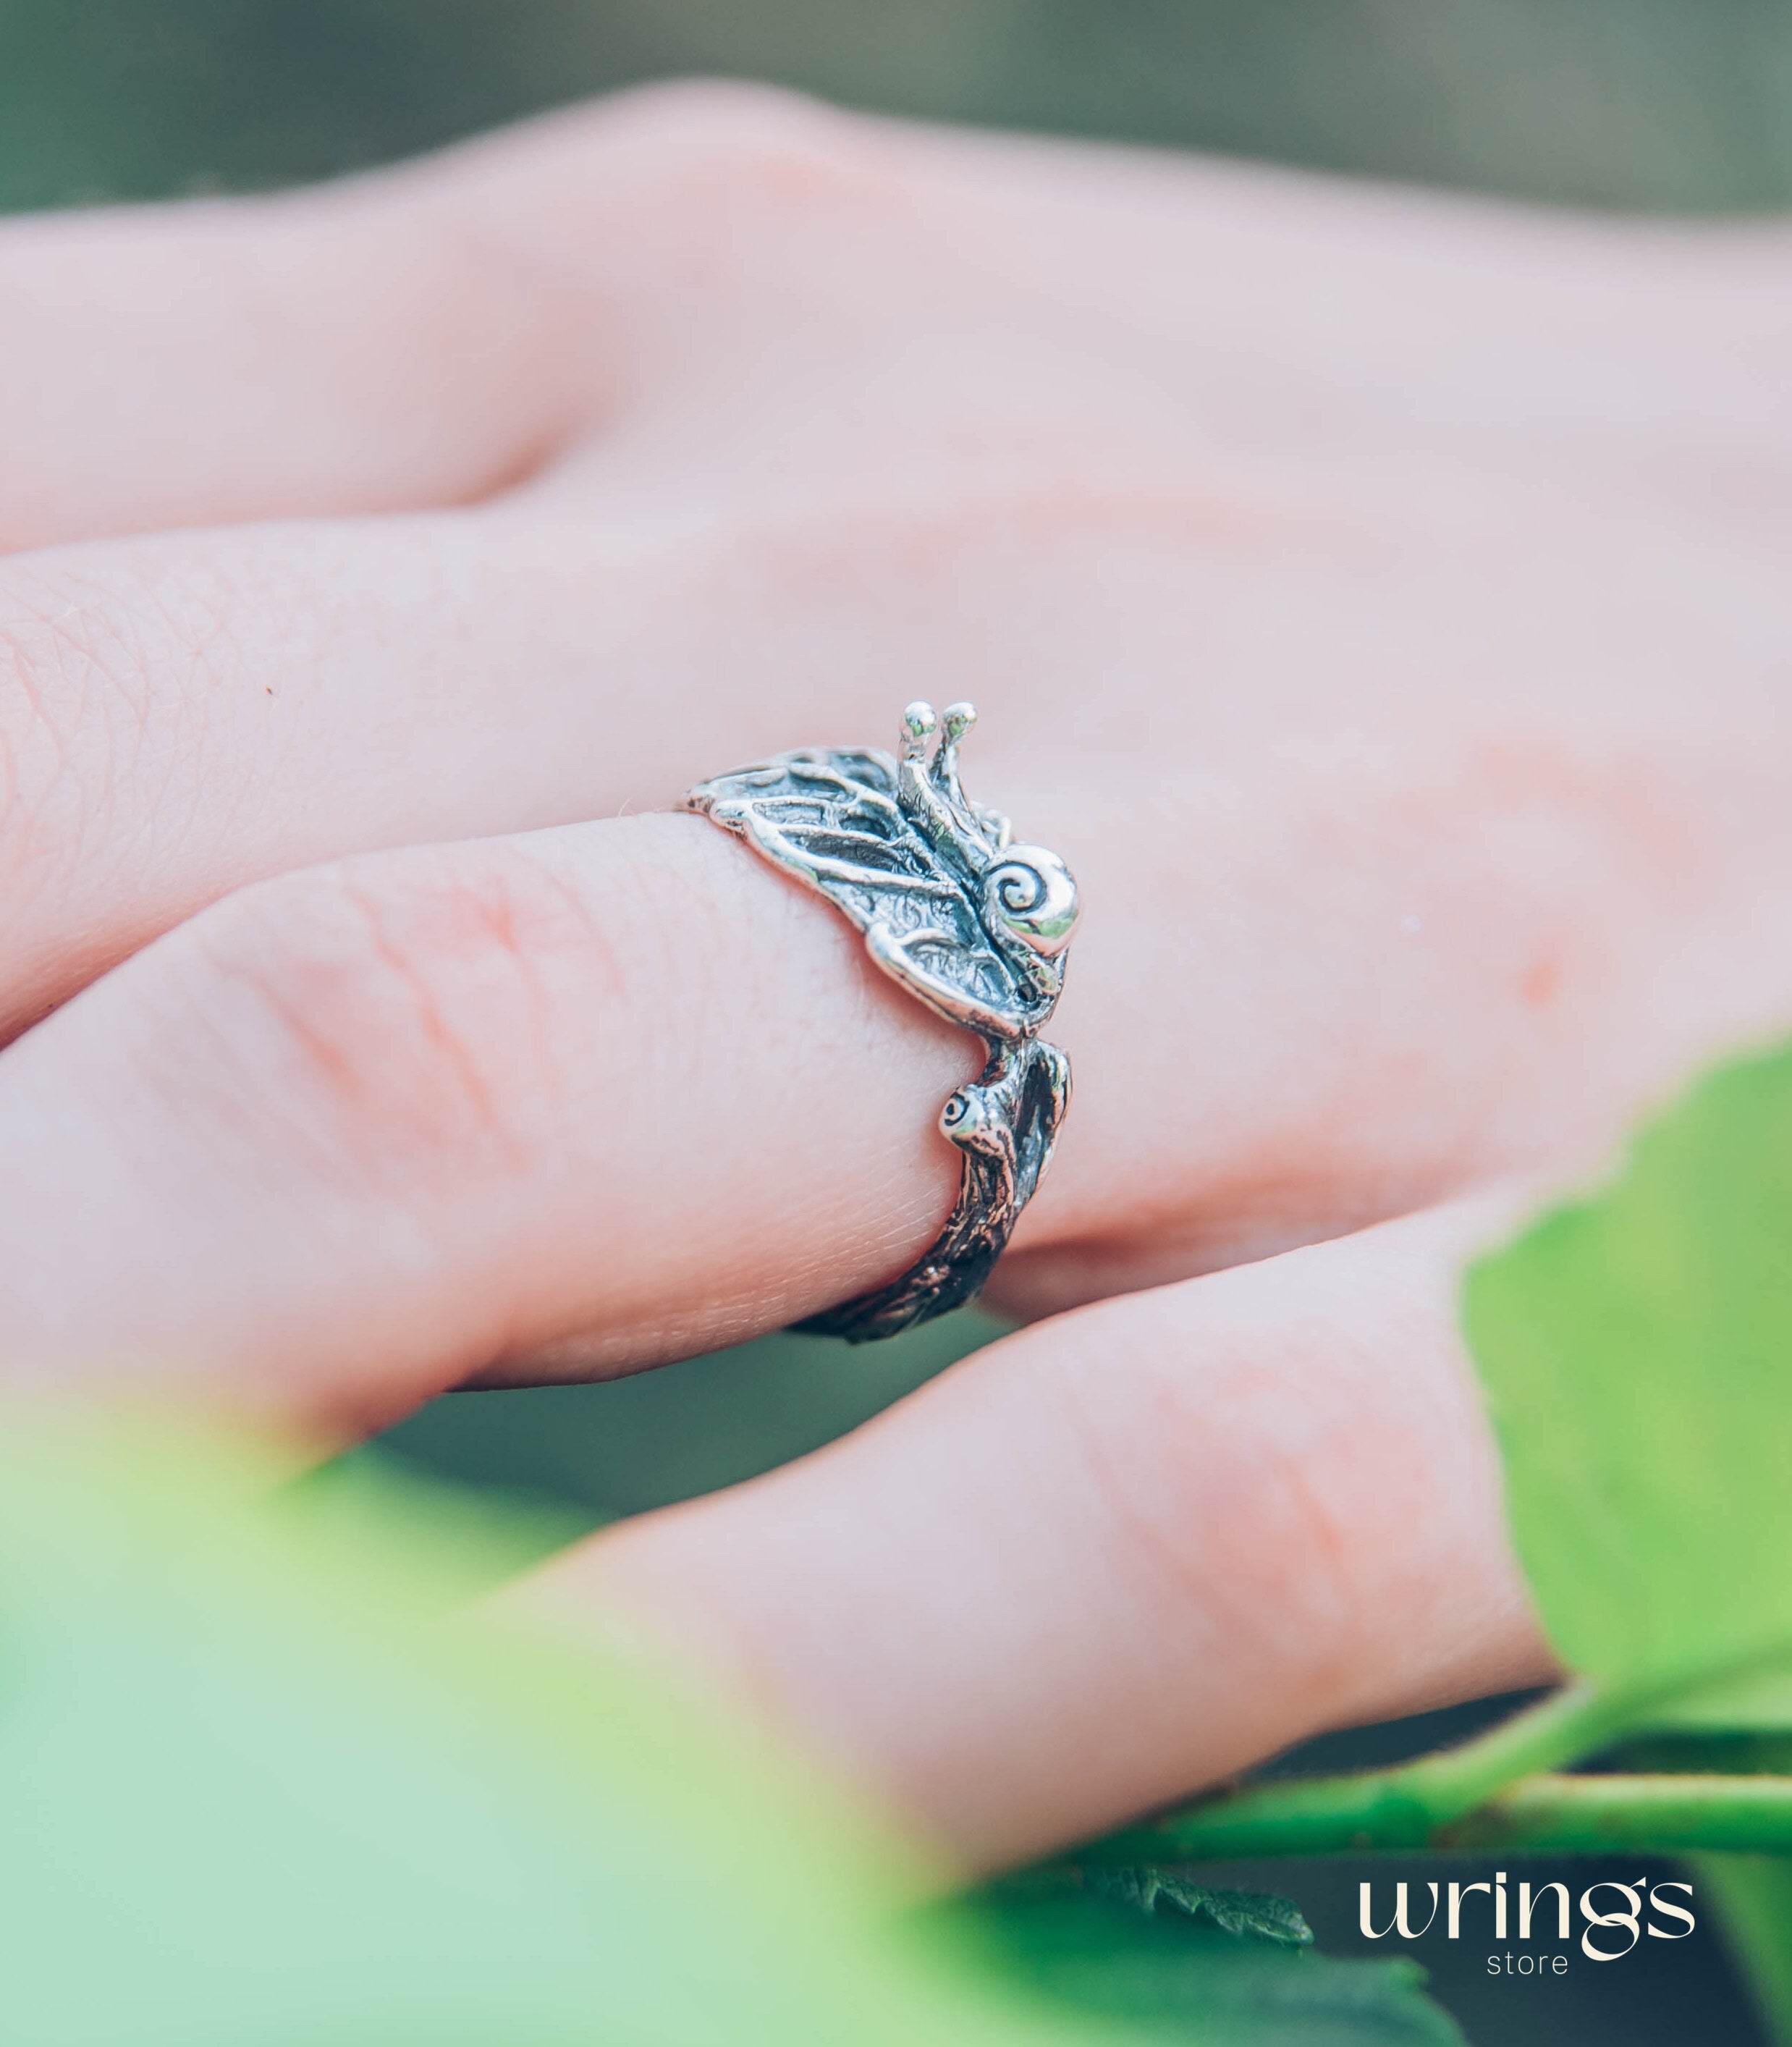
{"type": "Point", "coordinates": [1381, 600]}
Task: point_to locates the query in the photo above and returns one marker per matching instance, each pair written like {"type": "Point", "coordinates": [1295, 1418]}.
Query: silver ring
{"type": "Point", "coordinates": [971, 924]}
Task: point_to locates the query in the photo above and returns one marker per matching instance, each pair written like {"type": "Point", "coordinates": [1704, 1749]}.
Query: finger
{"type": "Point", "coordinates": [184, 714]}
{"type": "Point", "coordinates": [619, 1092]}
{"type": "Point", "coordinates": [1270, 1046]}
{"type": "Point", "coordinates": [614, 1093]}
{"type": "Point", "coordinates": [1437, 921]}
{"type": "Point", "coordinates": [374, 345]}
{"type": "Point", "coordinates": [412, 337]}
{"type": "Point", "coordinates": [1118, 1556]}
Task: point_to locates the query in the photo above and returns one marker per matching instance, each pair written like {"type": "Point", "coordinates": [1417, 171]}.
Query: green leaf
{"type": "Point", "coordinates": [1761, 1702]}
{"type": "Point", "coordinates": [1177, 1887]}
{"type": "Point", "coordinates": [1194, 1983]}
{"type": "Point", "coordinates": [1754, 1895]}
{"type": "Point", "coordinates": [1637, 1352]}
{"type": "Point", "coordinates": [259, 1781]}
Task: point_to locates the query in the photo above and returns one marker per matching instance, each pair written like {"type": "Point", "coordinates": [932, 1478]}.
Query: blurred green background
{"type": "Point", "coordinates": [1679, 105]}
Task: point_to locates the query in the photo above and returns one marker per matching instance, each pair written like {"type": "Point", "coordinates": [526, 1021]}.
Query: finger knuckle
{"type": "Point", "coordinates": [701, 119]}
{"type": "Point", "coordinates": [696, 148]}
{"type": "Point", "coordinates": [400, 1012]}
{"type": "Point", "coordinates": [1251, 1551]}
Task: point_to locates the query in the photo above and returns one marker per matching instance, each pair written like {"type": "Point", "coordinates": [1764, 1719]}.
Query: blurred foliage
{"type": "Point", "coordinates": [264, 1778]}
{"type": "Point", "coordinates": [1194, 1982]}
{"type": "Point", "coordinates": [1668, 103]}
{"type": "Point", "coordinates": [1756, 1894]}
{"type": "Point", "coordinates": [1634, 1346]}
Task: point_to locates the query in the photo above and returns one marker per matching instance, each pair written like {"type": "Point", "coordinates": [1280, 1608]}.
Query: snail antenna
{"type": "Point", "coordinates": [957, 721]}
{"type": "Point", "coordinates": [919, 724]}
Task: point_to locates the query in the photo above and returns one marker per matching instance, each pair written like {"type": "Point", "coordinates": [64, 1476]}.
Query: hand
{"type": "Point", "coordinates": [1380, 601]}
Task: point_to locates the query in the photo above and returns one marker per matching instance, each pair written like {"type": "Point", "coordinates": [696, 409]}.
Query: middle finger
{"type": "Point", "coordinates": [184, 714]}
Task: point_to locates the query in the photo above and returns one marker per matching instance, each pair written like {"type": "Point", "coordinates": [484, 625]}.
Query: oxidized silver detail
{"type": "Point", "coordinates": [972, 924]}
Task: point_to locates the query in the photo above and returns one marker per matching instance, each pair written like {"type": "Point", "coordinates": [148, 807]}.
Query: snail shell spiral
{"type": "Point", "coordinates": [1032, 893]}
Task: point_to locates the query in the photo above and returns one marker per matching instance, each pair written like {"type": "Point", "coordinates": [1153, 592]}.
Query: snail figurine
{"type": "Point", "coordinates": [972, 923]}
